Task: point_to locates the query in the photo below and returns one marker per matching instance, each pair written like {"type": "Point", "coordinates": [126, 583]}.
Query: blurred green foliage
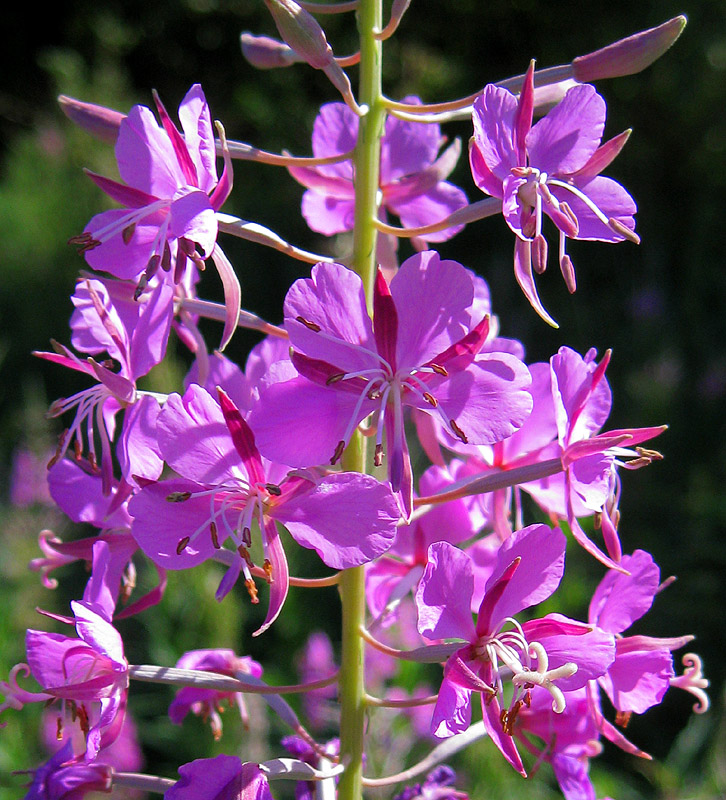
{"type": "Point", "coordinates": [660, 307]}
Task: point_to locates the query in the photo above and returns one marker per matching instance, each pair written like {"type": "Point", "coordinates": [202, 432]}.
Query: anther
{"type": "Point", "coordinates": [128, 232]}
{"type": "Point", "coordinates": [247, 536]}
{"type": "Point", "coordinates": [178, 497]}
{"type": "Point", "coordinates": [438, 369]}
{"type": "Point", "coordinates": [338, 452]}
{"type": "Point", "coordinates": [267, 567]}
{"type": "Point", "coordinates": [430, 399]}
{"type": "Point", "coordinates": [59, 728]}
{"type": "Point", "coordinates": [459, 433]}
{"type": "Point", "coordinates": [244, 553]}
{"type": "Point", "coordinates": [182, 545]}
{"type": "Point", "coordinates": [539, 254]}
{"type": "Point", "coordinates": [622, 718]}
{"type": "Point", "coordinates": [567, 269]}
{"type": "Point", "coordinates": [378, 456]}
{"type": "Point", "coordinates": [335, 378]}
{"type": "Point", "coordinates": [213, 534]}
{"type": "Point", "coordinates": [624, 231]}
{"type": "Point", "coordinates": [78, 452]}
{"type": "Point", "coordinates": [273, 489]}
{"type": "Point", "coordinates": [252, 591]}
{"type": "Point", "coordinates": [312, 326]}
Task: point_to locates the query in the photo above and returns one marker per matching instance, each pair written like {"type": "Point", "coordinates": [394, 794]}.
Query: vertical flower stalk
{"type": "Point", "coordinates": [352, 584]}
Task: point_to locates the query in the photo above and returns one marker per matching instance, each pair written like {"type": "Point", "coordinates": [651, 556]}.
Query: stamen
{"type": "Point", "coordinates": [252, 591]}
{"type": "Point", "coordinates": [182, 545]}
{"type": "Point", "coordinates": [438, 369]}
{"type": "Point", "coordinates": [378, 456]}
{"type": "Point", "coordinates": [430, 399]}
{"type": "Point", "coordinates": [335, 378]}
{"type": "Point", "coordinates": [213, 534]}
{"type": "Point", "coordinates": [623, 230]}
{"type": "Point", "coordinates": [338, 453]}
{"type": "Point", "coordinates": [267, 568]}
{"type": "Point", "coordinates": [128, 232]}
{"type": "Point", "coordinates": [273, 489]}
{"type": "Point", "coordinates": [459, 433]}
{"type": "Point", "coordinates": [622, 718]}
{"type": "Point", "coordinates": [178, 497]}
{"type": "Point", "coordinates": [312, 326]}
{"type": "Point", "coordinates": [59, 729]}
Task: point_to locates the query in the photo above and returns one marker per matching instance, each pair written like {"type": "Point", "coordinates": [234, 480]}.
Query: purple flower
{"type": "Point", "coordinates": [171, 193]}
{"type": "Point", "coordinates": [107, 320]}
{"type": "Point", "coordinates": [346, 517]}
{"type": "Point", "coordinates": [438, 785]}
{"type": "Point", "coordinates": [89, 669]}
{"type": "Point", "coordinates": [60, 778]}
{"type": "Point", "coordinates": [552, 167]}
{"type": "Point", "coordinates": [413, 176]}
{"type": "Point", "coordinates": [207, 703]}
{"type": "Point", "coordinates": [422, 350]}
{"type": "Point", "coordinates": [554, 653]}
{"type": "Point", "coordinates": [219, 778]}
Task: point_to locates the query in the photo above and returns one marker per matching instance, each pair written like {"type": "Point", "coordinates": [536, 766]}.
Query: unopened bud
{"type": "Point", "coordinates": [103, 123]}
{"type": "Point", "coordinates": [628, 56]}
{"type": "Point", "coordinates": [264, 52]}
{"type": "Point", "coordinates": [301, 32]}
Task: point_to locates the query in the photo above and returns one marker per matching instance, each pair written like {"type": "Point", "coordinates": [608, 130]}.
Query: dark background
{"type": "Point", "coordinates": [659, 306]}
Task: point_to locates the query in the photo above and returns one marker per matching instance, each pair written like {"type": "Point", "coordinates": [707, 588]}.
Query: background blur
{"type": "Point", "coordinates": [660, 307]}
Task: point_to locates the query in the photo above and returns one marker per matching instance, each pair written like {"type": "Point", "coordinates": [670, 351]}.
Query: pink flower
{"type": "Point", "coordinates": [171, 193]}
{"type": "Point", "coordinates": [552, 167]}
{"type": "Point", "coordinates": [422, 350]}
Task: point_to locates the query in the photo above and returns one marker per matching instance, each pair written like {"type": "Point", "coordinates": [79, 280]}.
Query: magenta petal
{"type": "Point", "coordinates": [452, 713]}
{"type": "Point", "coordinates": [159, 525]}
{"type": "Point", "coordinates": [491, 712]}
{"type": "Point", "coordinates": [490, 399]}
{"type": "Point", "coordinates": [408, 147]}
{"type": "Point", "coordinates": [196, 123]}
{"type": "Point", "coordinates": [300, 424]}
{"type": "Point", "coordinates": [138, 449]}
{"type": "Point", "coordinates": [150, 333]}
{"type": "Point", "coordinates": [220, 778]}
{"type": "Point", "coordinates": [432, 297]}
{"type": "Point", "coordinates": [280, 575]}
{"type": "Point", "coordinates": [146, 158]}
{"type": "Point", "coordinates": [98, 633]}
{"type": "Point", "coordinates": [611, 198]}
{"type": "Point", "coordinates": [194, 438]}
{"type": "Point", "coordinates": [493, 117]}
{"type": "Point", "coordinates": [327, 214]}
{"type": "Point", "coordinates": [542, 553]}
{"type": "Point", "coordinates": [443, 597]}
{"type": "Point", "coordinates": [637, 681]}
{"type": "Point", "coordinates": [333, 299]}
{"type": "Point", "coordinates": [232, 294]}
{"type": "Point", "coordinates": [335, 131]}
{"type": "Point", "coordinates": [46, 655]}
{"type": "Point", "coordinates": [564, 140]}
{"type": "Point", "coordinates": [125, 260]}
{"type": "Point", "coordinates": [348, 519]}
{"type": "Point", "coordinates": [192, 217]}
{"type": "Point", "coordinates": [80, 496]}
{"type": "Point", "coordinates": [620, 599]}
{"type": "Point", "coordinates": [431, 207]}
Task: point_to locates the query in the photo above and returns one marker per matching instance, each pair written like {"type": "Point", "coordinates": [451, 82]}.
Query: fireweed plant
{"type": "Point", "coordinates": [377, 355]}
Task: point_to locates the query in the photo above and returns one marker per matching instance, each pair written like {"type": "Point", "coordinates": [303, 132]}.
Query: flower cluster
{"type": "Point", "coordinates": [407, 358]}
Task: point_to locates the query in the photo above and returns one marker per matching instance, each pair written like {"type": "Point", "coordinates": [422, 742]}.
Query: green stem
{"type": "Point", "coordinates": [352, 581]}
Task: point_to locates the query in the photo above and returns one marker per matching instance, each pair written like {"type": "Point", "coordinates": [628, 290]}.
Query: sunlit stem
{"type": "Point", "coordinates": [142, 782]}
{"type": "Point", "coordinates": [202, 679]}
{"type": "Point", "coordinates": [462, 216]}
{"type": "Point", "coordinates": [352, 581]}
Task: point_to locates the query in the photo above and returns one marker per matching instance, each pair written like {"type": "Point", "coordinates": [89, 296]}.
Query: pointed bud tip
{"type": "Point", "coordinates": [630, 55]}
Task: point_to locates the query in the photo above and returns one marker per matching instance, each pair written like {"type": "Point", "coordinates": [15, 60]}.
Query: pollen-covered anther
{"type": "Point", "coordinates": [84, 242]}
{"type": "Point", "coordinates": [83, 719]}
{"type": "Point", "coordinates": [244, 553]}
{"type": "Point", "coordinates": [267, 568]}
{"type": "Point", "coordinates": [644, 459]}
{"type": "Point", "coordinates": [213, 534]}
{"type": "Point", "coordinates": [459, 433]}
{"type": "Point", "coordinates": [623, 230]}
{"type": "Point", "coordinates": [438, 369]}
{"type": "Point", "coordinates": [622, 718]}
{"type": "Point", "coordinates": [178, 497]}
{"type": "Point", "coordinates": [311, 326]}
{"type": "Point", "coordinates": [508, 717]}
{"type": "Point", "coordinates": [182, 545]}
{"type": "Point", "coordinates": [252, 591]}
{"type": "Point", "coordinates": [430, 399]}
{"type": "Point", "coordinates": [335, 378]}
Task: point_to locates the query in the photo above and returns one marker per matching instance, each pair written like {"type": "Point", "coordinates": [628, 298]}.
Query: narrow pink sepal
{"type": "Point", "coordinates": [177, 142]}
{"type": "Point", "coordinates": [232, 294]}
{"type": "Point", "coordinates": [120, 192]}
{"type": "Point", "coordinates": [280, 576]}
{"type": "Point", "coordinates": [242, 437]}
{"type": "Point", "coordinates": [525, 278]}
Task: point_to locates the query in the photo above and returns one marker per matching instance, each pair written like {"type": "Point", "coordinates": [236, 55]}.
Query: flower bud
{"type": "Point", "coordinates": [103, 123]}
{"type": "Point", "coordinates": [301, 32]}
{"type": "Point", "coordinates": [630, 55]}
{"type": "Point", "coordinates": [264, 52]}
